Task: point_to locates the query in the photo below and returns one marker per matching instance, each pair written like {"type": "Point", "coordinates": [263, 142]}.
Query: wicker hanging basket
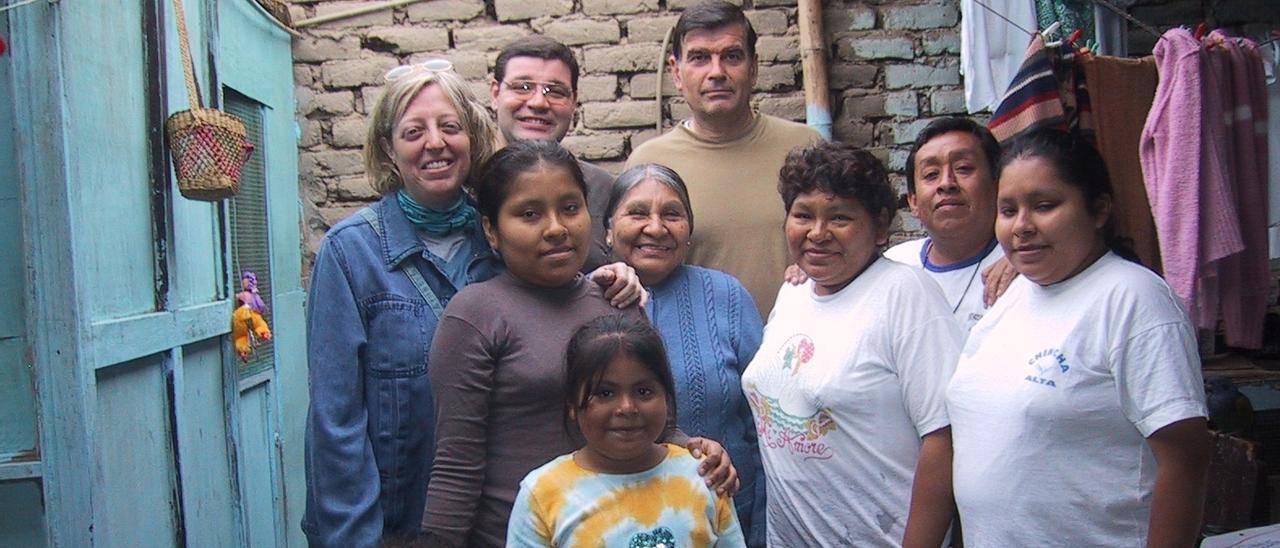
{"type": "Point", "coordinates": [208, 146]}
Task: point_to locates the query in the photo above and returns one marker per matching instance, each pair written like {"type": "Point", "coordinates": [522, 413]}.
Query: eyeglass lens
{"type": "Point", "coordinates": [552, 91]}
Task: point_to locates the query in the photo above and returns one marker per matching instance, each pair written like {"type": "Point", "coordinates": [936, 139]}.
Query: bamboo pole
{"type": "Point", "coordinates": [279, 24]}
{"type": "Point", "coordinates": [662, 68]}
{"type": "Point", "coordinates": [813, 61]}
{"type": "Point", "coordinates": [353, 12]}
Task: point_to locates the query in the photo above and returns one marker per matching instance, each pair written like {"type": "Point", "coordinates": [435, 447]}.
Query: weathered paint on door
{"type": "Point", "coordinates": [138, 430]}
{"type": "Point", "coordinates": [21, 508]}
{"type": "Point", "coordinates": [255, 60]}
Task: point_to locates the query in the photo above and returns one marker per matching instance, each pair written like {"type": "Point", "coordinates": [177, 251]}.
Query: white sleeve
{"type": "Point", "coordinates": [926, 353]}
{"type": "Point", "coordinates": [526, 527]}
{"type": "Point", "coordinates": [1158, 377]}
{"type": "Point", "coordinates": [907, 253]}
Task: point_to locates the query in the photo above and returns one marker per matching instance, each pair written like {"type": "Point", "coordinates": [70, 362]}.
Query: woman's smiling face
{"type": "Point", "coordinates": [542, 230]}
{"type": "Point", "coordinates": [432, 149]}
{"type": "Point", "coordinates": [650, 230]}
{"type": "Point", "coordinates": [1048, 231]}
{"type": "Point", "coordinates": [833, 238]}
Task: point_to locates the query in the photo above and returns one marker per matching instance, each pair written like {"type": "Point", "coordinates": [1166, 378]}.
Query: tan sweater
{"type": "Point", "coordinates": [737, 212]}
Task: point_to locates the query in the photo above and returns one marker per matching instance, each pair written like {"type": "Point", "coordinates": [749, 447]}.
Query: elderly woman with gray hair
{"type": "Point", "coordinates": [706, 318]}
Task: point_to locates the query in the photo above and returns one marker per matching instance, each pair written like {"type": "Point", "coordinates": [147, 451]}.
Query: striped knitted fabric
{"type": "Point", "coordinates": [1048, 91]}
{"type": "Point", "coordinates": [1075, 92]}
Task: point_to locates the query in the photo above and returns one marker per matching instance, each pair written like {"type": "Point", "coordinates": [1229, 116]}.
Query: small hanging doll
{"type": "Point", "coordinates": [247, 325]}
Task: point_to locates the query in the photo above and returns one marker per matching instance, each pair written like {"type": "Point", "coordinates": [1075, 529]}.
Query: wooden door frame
{"type": "Point", "coordinates": [57, 332]}
{"type": "Point", "coordinates": [67, 347]}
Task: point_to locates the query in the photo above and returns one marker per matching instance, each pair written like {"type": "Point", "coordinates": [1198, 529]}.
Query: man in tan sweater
{"type": "Point", "coordinates": [727, 154]}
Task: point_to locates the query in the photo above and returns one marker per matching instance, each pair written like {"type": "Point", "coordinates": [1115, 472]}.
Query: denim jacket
{"type": "Point", "coordinates": [370, 424]}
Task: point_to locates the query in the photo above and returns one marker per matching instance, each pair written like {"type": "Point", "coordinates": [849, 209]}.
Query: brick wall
{"type": "Point", "coordinates": [892, 66]}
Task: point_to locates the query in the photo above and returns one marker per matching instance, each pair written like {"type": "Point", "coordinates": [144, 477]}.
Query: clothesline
{"type": "Point", "coordinates": [1104, 3]}
{"type": "Point", "coordinates": [16, 5]}
{"type": "Point", "coordinates": [1002, 16]}
{"type": "Point", "coordinates": [1120, 11]}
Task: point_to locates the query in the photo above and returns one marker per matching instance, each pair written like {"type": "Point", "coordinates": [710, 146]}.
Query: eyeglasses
{"type": "Point", "coordinates": [555, 93]}
{"type": "Point", "coordinates": [430, 65]}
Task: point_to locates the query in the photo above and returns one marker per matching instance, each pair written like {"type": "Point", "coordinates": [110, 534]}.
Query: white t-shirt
{"type": "Point", "coordinates": [961, 283]}
{"type": "Point", "coordinates": [842, 389]}
{"type": "Point", "coordinates": [1052, 400]}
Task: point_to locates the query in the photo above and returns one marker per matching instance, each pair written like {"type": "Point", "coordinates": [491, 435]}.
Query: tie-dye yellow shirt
{"type": "Point", "coordinates": [668, 506]}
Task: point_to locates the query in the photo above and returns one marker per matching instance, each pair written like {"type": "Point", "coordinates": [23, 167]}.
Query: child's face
{"type": "Point", "coordinates": [543, 230]}
{"type": "Point", "coordinates": [623, 419]}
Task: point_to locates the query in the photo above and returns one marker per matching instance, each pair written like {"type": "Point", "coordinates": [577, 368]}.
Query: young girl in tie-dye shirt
{"type": "Point", "coordinates": [623, 488]}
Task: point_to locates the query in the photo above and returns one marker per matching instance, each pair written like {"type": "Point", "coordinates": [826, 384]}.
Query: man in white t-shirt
{"type": "Point", "coordinates": [951, 189]}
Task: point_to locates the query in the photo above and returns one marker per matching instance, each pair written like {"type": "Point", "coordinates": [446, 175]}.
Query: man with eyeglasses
{"type": "Point", "coordinates": [534, 90]}
{"type": "Point", "coordinates": [727, 154]}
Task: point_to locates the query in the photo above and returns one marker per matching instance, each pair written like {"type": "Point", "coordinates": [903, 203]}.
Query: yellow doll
{"type": "Point", "coordinates": [247, 325]}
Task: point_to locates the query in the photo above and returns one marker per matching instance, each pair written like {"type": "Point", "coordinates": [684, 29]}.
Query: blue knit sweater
{"type": "Point", "coordinates": [712, 330]}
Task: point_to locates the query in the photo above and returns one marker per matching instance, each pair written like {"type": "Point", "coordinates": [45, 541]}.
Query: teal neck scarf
{"type": "Point", "coordinates": [438, 222]}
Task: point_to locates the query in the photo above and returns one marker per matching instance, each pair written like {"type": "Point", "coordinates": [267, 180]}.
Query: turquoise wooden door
{"type": "Point", "coordinates": [255, 65]}
{"type": "Point", "coordinates": [142, 428]}
{"type": "Point", "coordinates": [21, 507]}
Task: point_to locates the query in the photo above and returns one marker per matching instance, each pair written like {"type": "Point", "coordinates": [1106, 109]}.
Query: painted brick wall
{"type": "Point", "coordinates": [893, 66]}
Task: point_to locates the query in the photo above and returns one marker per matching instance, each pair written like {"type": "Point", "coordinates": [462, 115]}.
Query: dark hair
{"type": "Point", "coordinates": [647, 172]}
{"type": "Point", "coordinates": [515, 160]}
{"type": "Point", "coordinates": [711, 15]}
{"type": "Point", "coordinates": [541, 47]}
{"type": "Point", "coordinates": [597, 343]}
{"type": "Point", "coordinates": [840, 169]}
{"type": "Point", "coordinates": [1077, 163]}
{"type": "Point", "coordinates": [940, 126]}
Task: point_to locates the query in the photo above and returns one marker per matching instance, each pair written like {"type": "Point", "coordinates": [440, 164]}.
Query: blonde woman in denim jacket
{"type": "Point", "coordinates": [380, 281]}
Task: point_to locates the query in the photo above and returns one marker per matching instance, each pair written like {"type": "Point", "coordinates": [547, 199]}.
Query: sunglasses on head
{"type": "Point", "coordinates": [430, 65]}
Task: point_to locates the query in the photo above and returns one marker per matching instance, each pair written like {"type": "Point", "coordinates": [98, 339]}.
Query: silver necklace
{"type": "Point", "coordinates": [976, 267]}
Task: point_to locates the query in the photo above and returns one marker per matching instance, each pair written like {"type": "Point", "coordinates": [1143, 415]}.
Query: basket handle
{"type": "Point", "coordinates": [188, 67]}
